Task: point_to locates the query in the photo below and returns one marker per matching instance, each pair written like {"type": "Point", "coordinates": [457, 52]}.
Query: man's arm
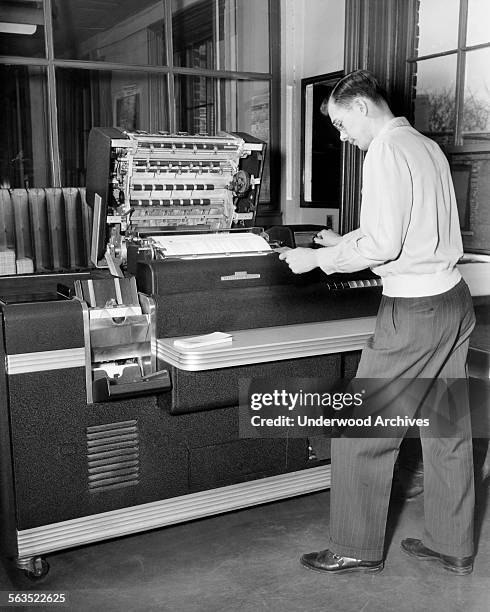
{"type": "Point", "coordinates": [385, 214]}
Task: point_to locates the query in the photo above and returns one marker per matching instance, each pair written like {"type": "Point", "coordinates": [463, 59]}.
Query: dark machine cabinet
{"type": "Point", "coordinates": [59, 475]}
{"type": "Point", "coordinates": [65, 460]}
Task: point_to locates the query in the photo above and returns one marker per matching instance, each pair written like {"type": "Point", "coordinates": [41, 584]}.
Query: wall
{"type": "Point", "coordinates": [312, 42]}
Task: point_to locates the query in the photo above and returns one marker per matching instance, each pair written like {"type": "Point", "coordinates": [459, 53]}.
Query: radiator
{"type": "Point", "coordinates": [44, 230]}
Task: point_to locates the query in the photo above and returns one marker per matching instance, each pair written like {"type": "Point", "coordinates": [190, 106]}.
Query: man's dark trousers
{"type": "Point", "coordinates": [427, 338]}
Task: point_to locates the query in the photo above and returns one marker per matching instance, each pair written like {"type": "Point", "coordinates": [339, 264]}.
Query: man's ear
{"type": "Point", "coordinates": [361, 105]}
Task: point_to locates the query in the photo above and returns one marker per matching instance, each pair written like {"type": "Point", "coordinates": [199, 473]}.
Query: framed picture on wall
{"type": "Point", "coordinates": [320, 146]}
{"type": "Point", "coordinates": [127, 109]}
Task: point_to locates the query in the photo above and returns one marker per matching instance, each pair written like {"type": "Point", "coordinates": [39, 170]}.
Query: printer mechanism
{"type": "Point", "coordinates": [148, 191]}
{"type": "Point", "coordinates": [141, 185]}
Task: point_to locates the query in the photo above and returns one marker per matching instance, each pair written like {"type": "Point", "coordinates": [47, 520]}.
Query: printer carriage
{"type": "Point", "coordinates": [141, 185]}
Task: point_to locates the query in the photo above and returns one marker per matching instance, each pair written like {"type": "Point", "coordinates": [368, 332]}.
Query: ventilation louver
{"type": "Point", "coordinates": [112, 456]}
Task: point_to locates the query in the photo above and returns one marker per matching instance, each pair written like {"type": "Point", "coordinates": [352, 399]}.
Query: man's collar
{"type": "Point", "coordinates": [394, 123]}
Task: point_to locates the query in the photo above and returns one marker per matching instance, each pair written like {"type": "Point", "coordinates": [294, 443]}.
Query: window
{"type": "Point", "coordinates": [24, 127]}
{"type": "Point", "coordinates": [199, 66]}
{"type": "Point", "coordinates": [22, 29]}
{"type": "Point", "coordinates": [452, 102]}
{"type": "Point", "coordinates": [453, 82]}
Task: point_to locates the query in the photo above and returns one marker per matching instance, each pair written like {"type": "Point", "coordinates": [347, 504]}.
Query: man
{"type": "Point", "coordinates": [409, 235]}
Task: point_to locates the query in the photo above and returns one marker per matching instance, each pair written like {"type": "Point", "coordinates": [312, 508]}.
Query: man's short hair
{"type": "Point", "coordinates": [360, 83]}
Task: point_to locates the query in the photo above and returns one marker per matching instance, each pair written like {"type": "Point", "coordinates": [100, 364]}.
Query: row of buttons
{"type": "Point", "coordinates": [167, 163]}
{"type": "Point", "coordinates": [175, 202]}
{"type": "Point", "coordinates": [189, 146]}
{"type": "Point", "coordinates": [172, 187]}
{"type": "Point", "coordinates": [178, 170]}
{"type": "Point", "coordinates": [355, 284]}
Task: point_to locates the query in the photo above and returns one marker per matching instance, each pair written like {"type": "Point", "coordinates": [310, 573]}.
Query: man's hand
{"type": "Point", "coordinates": [300, 260]}
{"type": "Point", "coordinates": [327, 238]}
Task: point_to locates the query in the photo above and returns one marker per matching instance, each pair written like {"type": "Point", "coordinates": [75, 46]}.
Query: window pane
{"type": "Point", "coordinates": [245, 107]}
{"type": "Point", "coordinates": [244, 35]}
{"type": "Point", "coordinates": [222, 34]}
{"type": "Point", "coordinates": [122, 31]}
{"type": "Point", "coordinates": [253, 115]}
{"type": "Point", "coordinates": [22, 29]}
{"type": "Point", "coordinates": [478, 22]}
{"type": "Point", "coordinates": [208, 106]}
{"type": "Point", "coordinates": [104, 98]}
{"type": "Point", "coordinates": [193, 29]}
{"type": "Point", "coordinates": [476, 109]}
{"type": "Point", "coordinates": [196, 105]}
{"type": "Point", "coordinates": [24, 156]}
{"type": "Point", "coordinates": [438, 26]}
{"type": "Point", "coordinates": [435, 97]}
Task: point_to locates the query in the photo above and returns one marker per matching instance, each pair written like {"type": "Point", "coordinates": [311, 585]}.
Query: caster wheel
{"type": "Point", "coordinates": [39, 569]}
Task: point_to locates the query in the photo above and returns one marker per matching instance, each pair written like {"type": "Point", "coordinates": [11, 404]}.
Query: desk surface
{"type": "Point", "coordinates": [271, 344]}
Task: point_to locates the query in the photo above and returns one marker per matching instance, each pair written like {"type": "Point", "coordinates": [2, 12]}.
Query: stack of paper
{"type": "Point", "coordinates": [206, 244]}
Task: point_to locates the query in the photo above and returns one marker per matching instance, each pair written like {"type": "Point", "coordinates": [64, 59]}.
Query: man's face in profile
{"type": "Point", "coordinates": [352, 122]}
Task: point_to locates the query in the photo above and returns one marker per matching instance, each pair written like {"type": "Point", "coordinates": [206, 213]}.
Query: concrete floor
{"type": "Point", "coordinates": [248, 561]}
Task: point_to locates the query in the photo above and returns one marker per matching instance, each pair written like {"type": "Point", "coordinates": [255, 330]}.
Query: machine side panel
{"type": "Point", "coordinates": [98, 168]}
{"type": "Point", "coordinates": [73, 460]}
{"type": "Point", "coordinates": [256, 307]}
{"type": "Point", "coordinates": [8, 543]}
{"type": "Point", "coordinates": [174, 454]}
{"type": "Point", "coordinates": [197, 391]}
{"type": "Point", "coordinates": [43, 326]}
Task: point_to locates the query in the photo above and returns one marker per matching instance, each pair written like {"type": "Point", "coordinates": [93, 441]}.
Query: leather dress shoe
{"type": "Point", "coordinates": [407, 484]}
{"type": "Point", "coordinates": [328, 562]}
{"type": "Point", "coordinates": [456, 565]}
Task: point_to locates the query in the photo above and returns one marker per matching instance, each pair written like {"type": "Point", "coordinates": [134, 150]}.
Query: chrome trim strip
{"type": "Point", "coordinates": [96, 527]}
{"type": "Point", "coordinates": [204, 356]}
{"type": "Point", "coordinates": [42, 361]}
{"type": "Point", "coordinates": [88, 353]}
{"type": "Point", "coordinates": [262, 358]}
{"type": "Point", "coordinates": [271, 344]}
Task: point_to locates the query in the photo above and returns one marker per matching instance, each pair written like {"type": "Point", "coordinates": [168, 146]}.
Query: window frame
{"type": "Point", "coordinates": [169, 70]}
{"type": "Point", "coordinates": [457, 149]}
{"type": "Point", "coordinates": [457, 145]}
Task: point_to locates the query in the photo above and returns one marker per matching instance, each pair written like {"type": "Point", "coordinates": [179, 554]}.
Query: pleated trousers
{"type": "Point", "coordinates": [427, 338]}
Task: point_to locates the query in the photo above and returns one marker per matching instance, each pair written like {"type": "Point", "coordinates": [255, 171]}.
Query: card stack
{"type": "Point", "coordinates": [25, 265]}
